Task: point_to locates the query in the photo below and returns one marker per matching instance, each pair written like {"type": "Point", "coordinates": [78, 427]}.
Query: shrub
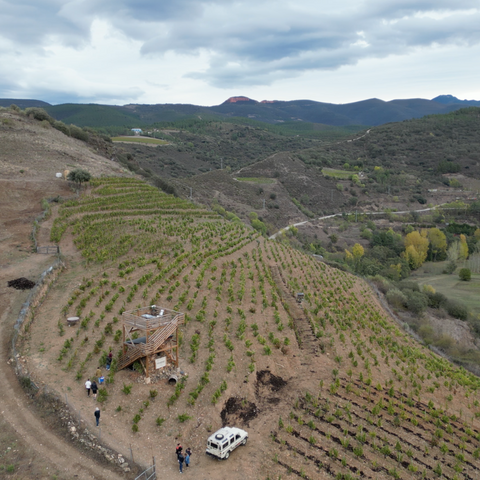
{"type": "Point", "coordinates": [450, 268]}
{"type": "Point", "coordinates": [396, 298]}
{"type": "Point", "coordinates": [183, 417]}
{"type": "Point", "coordinates": [102, 395]}
{"type": "Point", "coordinates": [39, 114]}
{"type": "Point", "coordinates": [456, 309]}
{"type": "Point", "coordinates": [60, 126]}
{"type": "Point", "coordinates": [465, 274]}
{"type": "Point", "coordinates": [127, 389]}
{"type": "Point", "coordinates": [417, 302]}
{"type": "Point", "coordinates": [436, 300]}
{"type": "Point", "coordinates": [78, 133]}
{"type": "Point", "coordinates": [79, 176]}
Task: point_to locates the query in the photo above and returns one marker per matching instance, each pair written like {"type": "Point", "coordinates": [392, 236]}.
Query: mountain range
{"type": "Point", "coordinates": [369, 112]}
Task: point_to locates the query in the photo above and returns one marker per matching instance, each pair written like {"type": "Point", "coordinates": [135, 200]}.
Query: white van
{"type": "Point", "coordinates": [224, 441]}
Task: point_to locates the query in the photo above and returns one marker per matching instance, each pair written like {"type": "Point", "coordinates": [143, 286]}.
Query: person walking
{"type": "Point", "coordinates": [88, 385]}
{"type": "Point", "coordinates": [97, 415]}
{"type": "Point", "coordinates": [178, 449]}
{"type": "Point", "coordinates": [188, 453]}
{"type": "Point", "coordinates": [98, 373]}
{"type": "Point", "coordinates": [109, 361]}
{"type": "Point", "coordinates": [181, 458]}
{"type": "Point", "coordinates": [94, 389]}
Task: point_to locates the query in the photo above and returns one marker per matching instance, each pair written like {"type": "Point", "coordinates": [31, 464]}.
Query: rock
{"type": "Point", "coordinates": [147, 381]}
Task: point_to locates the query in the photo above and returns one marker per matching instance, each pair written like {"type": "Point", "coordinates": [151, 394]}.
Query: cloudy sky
{"type": "Point", "coordinates": [204, 51]}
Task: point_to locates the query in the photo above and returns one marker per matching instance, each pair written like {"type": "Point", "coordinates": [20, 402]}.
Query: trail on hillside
{"type": "Point", "coordinates": [16, 260]}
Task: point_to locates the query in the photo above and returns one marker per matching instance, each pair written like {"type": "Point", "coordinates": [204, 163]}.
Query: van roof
{"type": "Point", "coordinates": [224, 433]}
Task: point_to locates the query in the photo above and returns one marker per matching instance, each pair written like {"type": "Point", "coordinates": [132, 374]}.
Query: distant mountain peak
{"type": "Point", "coordinates": [238, 100]}
{"type": "Point", "coordinates": [450, 99]}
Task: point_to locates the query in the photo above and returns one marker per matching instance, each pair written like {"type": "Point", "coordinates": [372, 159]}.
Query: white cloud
{"type": "Point", "coordinates": [126, 51]}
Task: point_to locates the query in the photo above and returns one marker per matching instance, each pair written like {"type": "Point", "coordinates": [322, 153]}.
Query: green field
{"type": "Point", "coordinates": [255, 179]}
{"type": "Point", "coordinates": [453, 288]}
{"type": "Point", "coordinates": [154, 141]}
{"type": "Point", "coordinates": [342, 174]}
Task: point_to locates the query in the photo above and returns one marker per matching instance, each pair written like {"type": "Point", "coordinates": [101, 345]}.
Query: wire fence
{"type": "Point", "coordinates": [149, 474]}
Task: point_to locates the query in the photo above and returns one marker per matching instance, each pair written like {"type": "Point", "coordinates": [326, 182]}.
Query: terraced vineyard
{"type": "Point", "coordinates": [391, 408]}
{"type": "Point", "coordinates": [333, 388]}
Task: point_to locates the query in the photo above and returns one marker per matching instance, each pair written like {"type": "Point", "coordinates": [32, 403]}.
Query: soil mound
{"type": "Point", "coordinates": [267, 378]}
{"type": "Point", "coordinates": [21, 283]}
{"type": "Point", "coordinates": [238, 410]}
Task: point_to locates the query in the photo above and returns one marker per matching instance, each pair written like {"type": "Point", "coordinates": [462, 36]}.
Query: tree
{"type": "Point", "coordinates": [465, 274]}
{"type": "Point", "coordinates": [438, 242]}
{"type": "Point", "coordinates": [79, 176]}
{"type": "Point", "coordinates": [463, 253]}
{"type": "Point", "coordinates": [416, 248]}
{"type": "Point", "coordinates": [357, 252]}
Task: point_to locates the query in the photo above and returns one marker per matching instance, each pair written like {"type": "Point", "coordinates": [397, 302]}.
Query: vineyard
{"type": "Point", "coordinates": [332, 387]}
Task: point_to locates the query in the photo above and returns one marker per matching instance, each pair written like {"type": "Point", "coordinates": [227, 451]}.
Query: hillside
{"type": "Point", "coordinates": [366, 112]}
{"type": "Point", "coordinates": [329, 389]}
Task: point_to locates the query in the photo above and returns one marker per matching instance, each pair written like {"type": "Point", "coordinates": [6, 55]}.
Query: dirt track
{"type": "Point", "coordinates": [42, 445]}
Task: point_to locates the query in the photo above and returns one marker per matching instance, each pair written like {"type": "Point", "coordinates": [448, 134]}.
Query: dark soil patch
{"type": "Point", "coordinates": [267, 378]}
{"type": "Point", "coordinates": [21, 283]}
{"type": "Point", "coordinates": [238, 410]}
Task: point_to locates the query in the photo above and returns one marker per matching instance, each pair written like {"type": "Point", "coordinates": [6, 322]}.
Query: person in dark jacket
{"type": "Point", "coordinates": [97, 415]}
{"type": "Point", "coordinates": [94, 389]}
{"type": "Point", "coordinates": [181, 458]}
{"type": "Point", "coordinates": [188, 454]}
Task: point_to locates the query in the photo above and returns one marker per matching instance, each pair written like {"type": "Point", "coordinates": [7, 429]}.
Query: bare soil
{"type": "Point", "coordinates": [29, 158]}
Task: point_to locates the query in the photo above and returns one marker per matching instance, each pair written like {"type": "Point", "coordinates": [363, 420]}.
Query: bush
{"type": "Point", "coordinates": [39, 114]}
{"type": "Point", "coordinates": [436, 300]}
{"type": "Point", "coordinates": [456, 309]}
{"type": "Point", "coordinates": [408, 284]}
{"type": "Point", "coordinates": [465, 274]}
{"type": "Point", "coordinates": [396, 298]}
{"type": "Point", "coordinates": [450, 268]}
{"type": "Point", "coordinates": [79, 176]}
{"type": "Point", "coordinates": [78, 133]}
{"type": "Point", "coordinates": [60, 126]}
{"type": "Point", "coordinates": [417, 302]}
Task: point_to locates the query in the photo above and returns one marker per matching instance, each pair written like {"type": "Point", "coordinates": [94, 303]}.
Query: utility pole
{"type": "Point", "coordinates": [264, 204]}
{"type": "Point", "coordinates": [190, 192]}
{"type": "Point", "coordinates": [221, 163]}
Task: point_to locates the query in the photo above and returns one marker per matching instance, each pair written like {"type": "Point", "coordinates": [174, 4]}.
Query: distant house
{"type": "Point", "coordinates": [137, 131]}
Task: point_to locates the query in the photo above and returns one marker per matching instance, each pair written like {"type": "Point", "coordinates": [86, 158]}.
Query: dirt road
{"type": "Point", "coordinates": [41, 444]}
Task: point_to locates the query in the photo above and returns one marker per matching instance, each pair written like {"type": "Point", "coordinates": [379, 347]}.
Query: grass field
{"type": "Point", "coordinates": [453, 288]}
{"type": "Point", "coordinates": [148, 140]}
{"type": "Point", "coordinates": [255, 179]}
{"type": "Point", "coordinates": [342, 174]}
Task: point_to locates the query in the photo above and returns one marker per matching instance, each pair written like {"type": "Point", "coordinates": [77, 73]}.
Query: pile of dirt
{"type": "Point", "coordinates": [238, 410]}
{"type": "Point", "coordinates": [267, 378]}
{"type": "Point", "coordinates": [21, 283]}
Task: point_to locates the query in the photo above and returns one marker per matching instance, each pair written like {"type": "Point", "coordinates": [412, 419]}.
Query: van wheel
{"type": "Point", "coordinates": [226, 455]}
{"type": "Point", "coordinates": [244, 441]}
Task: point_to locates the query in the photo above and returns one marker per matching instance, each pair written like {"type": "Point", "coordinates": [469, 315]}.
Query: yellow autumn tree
{"type": "Point", "coordinates": [416, 248]}
{"type": "Point", "coordinates": [463, 253]}
{"type": "Point", "coordinates": [357, 251]}
{"type": "Point", "coordinates": [438, 242]}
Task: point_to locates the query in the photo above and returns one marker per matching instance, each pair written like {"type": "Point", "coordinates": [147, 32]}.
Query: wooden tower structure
{"type": "Point", "coordinates": [149, 332]}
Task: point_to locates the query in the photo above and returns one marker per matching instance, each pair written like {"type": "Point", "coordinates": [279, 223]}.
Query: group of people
{"type": "Point", "coordinates": [93, 387]}
{"type": "Point", "coordinates": [183, 458]}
